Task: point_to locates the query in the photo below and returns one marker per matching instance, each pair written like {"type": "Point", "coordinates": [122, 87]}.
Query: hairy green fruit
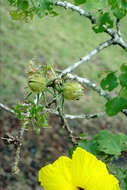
{"type": "Point", "coordinates": [36, 82]}
{"type": "Point", "coordinates": [72, 90]}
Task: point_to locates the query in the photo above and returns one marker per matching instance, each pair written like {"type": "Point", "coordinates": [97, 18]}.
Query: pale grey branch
{"type": "Point", "coordinates": [81, 116]}
{"type": "Point", "coordinates": [94, 87]}
{"type": "Point", "coordinates": [67, 116]}
{"type": "Point", "coordinates": [90, 84]}
{"type": "Point", "coordinates": [15, 168]}
{"type": "Point", "coordinates": [7, 108]}
{"type": "Point", "coordinates": [88, 56]}
{"type": "Point", "coordinates": [119, 41]}
{"type": "Point", "coordinates": [118, 27]}
{"type": "Point", "coordinates": [82, 12]}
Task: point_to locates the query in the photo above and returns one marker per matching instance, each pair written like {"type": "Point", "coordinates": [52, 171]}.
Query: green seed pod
{"type": "Point", "coordinates": [36, 82]}
{"type": "Point", "coordinates": [72, 90]}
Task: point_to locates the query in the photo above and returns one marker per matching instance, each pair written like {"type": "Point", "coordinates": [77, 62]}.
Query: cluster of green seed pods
{"type": "Point", "coordinates": [37, 82]}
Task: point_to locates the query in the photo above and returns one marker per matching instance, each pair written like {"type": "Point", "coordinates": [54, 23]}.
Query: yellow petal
{"type": "Point", "coordinates": [57, 176]}
{"type": "Point", "coordinates": [90, 173]}
{"type": "Point", "coordinates": [102, 182]}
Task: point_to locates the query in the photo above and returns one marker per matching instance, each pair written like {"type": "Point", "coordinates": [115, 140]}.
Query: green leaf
{"type": "Point", "coordinates": [124, 4]}
{"type": "Point", "coordinates": [113, 3]}
{"type": "Point", "coordinates": [123, 139]}
{"type": "Point", "coordinates": [79, 2]}
{"type": "Point", "coordinates": [44, 7]}
{"type": "Point", "coordinates": [120, 173]}
{"type": "Point", "coordinates": [96, 4]}
{"type": "Point", "coordinates": [118, 7]}
{"type": "Point", "coordinates": [123, 67]}
{"type": "Point", "coordinates": [119, 13]}
{"type": "Point", "coordinates": [115, 105]}
{"type": "Point", "coordinates": [107, 20]}
{"type": "Point", "coordinates": [123, 92]}
{"type": "Point", "coordinates": [111, 144]}
{"type": "Point", "coordinates": [123, 79]}
{"type": "Point", "coordinates": [104, 19]}
{"type": "Point", "coordinates": [22, 4]}
{"type": "Point", "coordinates": [98, 28]}
{"type": "Point", "coordinates": [110, 82]}
{"type": "Point", "coordinates": [90, 146]}
{"type": "Point", "coordinates": [16, 15]}
{"type": "Point", "coordinates": [120, 4]}
{"type": "Point", "coordinates": [84, 135]}
{"type": "Point", "coordinates": [18, 110]}
{"type": "Point", "coordinates": [105, 143]}
{"type": "Point", "coordinates": [12, 1]}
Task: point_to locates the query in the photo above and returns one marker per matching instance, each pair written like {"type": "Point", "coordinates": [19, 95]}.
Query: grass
{"type": "Point", "coordinates": [61, 40]}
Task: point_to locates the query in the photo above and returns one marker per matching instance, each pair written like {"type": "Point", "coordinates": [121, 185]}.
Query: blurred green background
{"type": "Point", "coordinates": [61, 41]}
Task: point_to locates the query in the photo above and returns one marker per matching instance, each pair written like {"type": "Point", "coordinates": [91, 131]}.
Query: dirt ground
{"type": "Point", "coordinates": [39, 150]}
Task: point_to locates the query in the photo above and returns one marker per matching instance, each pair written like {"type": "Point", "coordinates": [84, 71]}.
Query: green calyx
{"type": "Point", "coordinates": [36, 82]}
{"type": "Point", "coordinates": [72, 90]}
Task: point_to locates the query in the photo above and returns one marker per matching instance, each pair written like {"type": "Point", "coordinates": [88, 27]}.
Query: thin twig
{"type": "Point", "coordinates": [67, 116]}
{"type": "Point", "coordinates": [68, 129]}
{"type": "Point", "coordinates": [81, 116]}
{"type": "Point", "coordinates": [15, 168]}
{"type": "Point", "coordinates": [85, 116]}
{"type": "Point", "coordinates": [63, 119]}
{"type": "Point", "coordinates": [68, 5]}
{"type": "Point", "coordinates": [118, 27]}
{"type": "Point", "coordinates": [118, 40]}
{"type": "Point", "coordinates": [7, 108]}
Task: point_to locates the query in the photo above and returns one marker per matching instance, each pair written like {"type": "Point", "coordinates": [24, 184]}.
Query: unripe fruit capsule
{"type": "Point", "coordinates": [36, 82]}
{"type": "Point", "coordinates": [72, 90]}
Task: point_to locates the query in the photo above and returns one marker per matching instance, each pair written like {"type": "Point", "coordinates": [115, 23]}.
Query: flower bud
{"type": "Point", "coordinates": [36, 82]}
{"type": "Point", "coordinates": [72, 90]}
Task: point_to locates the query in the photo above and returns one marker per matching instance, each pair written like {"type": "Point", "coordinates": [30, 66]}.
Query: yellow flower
{"type": "Point", "coordinates": [83, 172]}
